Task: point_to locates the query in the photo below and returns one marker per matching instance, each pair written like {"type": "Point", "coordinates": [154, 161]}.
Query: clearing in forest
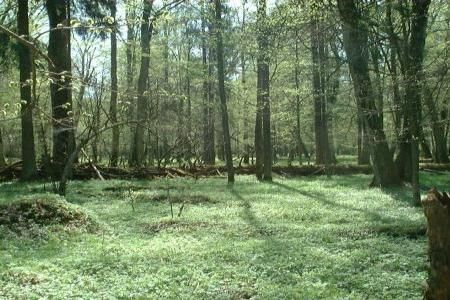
{"type": "Point", "coordinates": [303, 238]}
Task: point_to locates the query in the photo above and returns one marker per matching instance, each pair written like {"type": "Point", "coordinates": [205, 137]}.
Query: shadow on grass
{"type": "Point", "coordinates": [323, 199]}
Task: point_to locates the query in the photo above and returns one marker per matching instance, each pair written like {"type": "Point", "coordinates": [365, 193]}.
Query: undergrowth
{"type": "Point", "coordinates": [299, 238]}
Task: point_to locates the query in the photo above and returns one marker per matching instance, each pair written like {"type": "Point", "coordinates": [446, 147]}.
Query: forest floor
{"type": "Point", "coordinates": [297, 238]}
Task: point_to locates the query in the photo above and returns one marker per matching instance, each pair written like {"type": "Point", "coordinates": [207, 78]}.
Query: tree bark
{"type": "Point", "coordinates": [413, 84]}
{"type": "Point", "coordinates": [437, 211]}
{"type": "Point", "coordinates": [356, 48]}
{"type": "Point", "coordinates": [319, 82]}
{"type": "Point", "coordinates": [29, 169]}
{"type": "Point", "coordinates": [142, 107]}
{"type": "Point", "coordinates": [221, 83]}
{"type": "Point", "coordinates": [2, 153]}
{"type": "Point", "coordinates": [114, 87]}
{"type": "Point", "coordinates": [301, 148]}
{"type": "Point", "coordinates": [209, 152]}
{"type": "Point", "coordinates": [130, 87]}
{"type": "Point", "coordinates": [246, 157]}
{"type": "Point", "coordinates": [60, 87]}
{"type": "Point", "coordinates": [264, 90]}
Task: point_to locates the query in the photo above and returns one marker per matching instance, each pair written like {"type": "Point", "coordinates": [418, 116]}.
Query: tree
{"type": "Point", "coordinates": [209, 152]}
{"type": "Point", "coordinates": [29, 170]}
{"type": "Point", "coordinates": [356, 47]}
{"type": "Point", "coordinates": [319, 80]}
{"type": "Point", "coordinates": [60, 87]}
{"type": "Point", "coordinates": [222, 95]}
{"type": "Point", "coordinates": [413, 87]}
{"type": "Point", "coordinates": [114, 89]}
{"type": "Point", "coordinates": [142, 108]}
{"type": "Point", "coordinates": [263, 61]}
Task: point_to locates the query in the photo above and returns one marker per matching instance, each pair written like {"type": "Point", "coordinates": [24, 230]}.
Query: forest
{"type": "Point", "coordinates": [225, 149]}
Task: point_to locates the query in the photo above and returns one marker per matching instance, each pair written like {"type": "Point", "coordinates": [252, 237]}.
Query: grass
{"type": "Point", "coordinates": [303, 238]}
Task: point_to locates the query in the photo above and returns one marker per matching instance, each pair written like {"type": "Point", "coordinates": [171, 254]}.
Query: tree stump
{"type": "Point", "coordinates": [437, 211]}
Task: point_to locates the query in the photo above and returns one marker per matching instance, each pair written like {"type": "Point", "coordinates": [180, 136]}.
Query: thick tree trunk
{"type": "Point", "coordinates": [413, 85]}
{"type": "Point", "coordinates": [319, 83]}
{"type": "Point", "coordinates": [114, 86]}
{"type": "Point", "coordinates": [142, 107]}
{"type": "Point", "coordinates": [60, 87]}
{"type": "Point", "coordinates": [29, 170]}
{"type": "Point", "coordinates": [221, 83]}
{"type": "Point", "coordinates": [355, 44]}
{"type": "Point", "coordinates": [437, 211]}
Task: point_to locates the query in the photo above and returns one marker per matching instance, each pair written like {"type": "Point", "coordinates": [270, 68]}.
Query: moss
{"type": "Point", "coordinates": [42, 210]}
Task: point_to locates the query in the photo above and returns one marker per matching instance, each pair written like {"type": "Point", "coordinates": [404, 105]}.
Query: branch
{"type": "Point", "coordinates": [26, 43]}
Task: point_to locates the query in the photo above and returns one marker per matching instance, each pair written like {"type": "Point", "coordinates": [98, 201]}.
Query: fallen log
{"type": "Point", "coordinates": [87, 171]}
{"type": "Point", "coordinates": [436, 207]}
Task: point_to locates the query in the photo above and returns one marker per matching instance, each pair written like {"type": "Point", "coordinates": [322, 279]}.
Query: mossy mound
{"type": "Point", "coordinates": [25, 216]}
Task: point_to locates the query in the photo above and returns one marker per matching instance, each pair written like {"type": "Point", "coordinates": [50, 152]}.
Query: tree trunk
{"type": "Point", "coordinates": [130, 88]}
{"type": "Point", "coordinates": [221, 83]}
{"type": "Point", "coordinates": [142, 107]}
{"type": "Point", "coordinates": [60, 87]}
{"type": "Point", "coordinates": [319, 90]}
{"type": "Point", "coordinates": [413, 84]}
{"type": "Point", "coordinates": [437, 211]}
{"type": "Point", "coordinates": [114, 88]}
{"type": "Point", "coordinates": [355, 44]}
{"type": "Point", "coordinates": [264, 90]}
{"type": "Point", "coordinates": [438, 129]}
{"type": "Point", "coordinates": [209, 152]}
{"type": "Point", "coordinates": [246, 158]}
{"type": "Point", "coordinates": [363, 140]}
{"type": "Point", "coordinates": [29, 170]}
{"type": "Point", "coordinates": [2, 153]}
{"type": "Point", "coordinates": [301, 148]}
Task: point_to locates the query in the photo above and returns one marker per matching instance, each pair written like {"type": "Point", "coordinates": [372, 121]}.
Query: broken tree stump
{"type": "Point", "coordinates": [436, 207]}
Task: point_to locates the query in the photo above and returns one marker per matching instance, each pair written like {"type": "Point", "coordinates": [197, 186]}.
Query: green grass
{"type": "Point", "coordinates": [302, 238]}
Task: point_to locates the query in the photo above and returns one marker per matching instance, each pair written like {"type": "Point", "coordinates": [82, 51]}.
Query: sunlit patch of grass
{"type": "Point", "coordinates": [300, 238]}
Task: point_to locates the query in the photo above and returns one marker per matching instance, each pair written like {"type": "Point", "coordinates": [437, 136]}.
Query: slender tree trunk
{"type": "Point", "coordinates": [301, 149]}
{"type": "Point", "coordinates": [363, 140]}
{"type": "Point", "coordinates": [142, 111]}
{"type": "Point", "coordinates": [244, 82]}
{"type": "Point", "coordinates": [2, 153]}
{"type": "Point", "coordinates": [114, 88]}
{"type": "Point", "coordinates": [264, 73]}
{"type": "Point", "coordinates": [438, 129]}
{"type": "Point", "coordinates": [209, 151]}
{"type": "Point", "coordinates": [223, 100]}
{"type": "Point", "coordinates": [355, 44]}
{"type": "Point", "coordinates": [188, 154]}
{"type": "Point", "coordinates": [130, 88]}
{"type": "Point", "coordinates": [29, 170]}
{"type": "Point", "coordinates": [206, 139]}
{"type": "Point", "coordinates": [60, 87]}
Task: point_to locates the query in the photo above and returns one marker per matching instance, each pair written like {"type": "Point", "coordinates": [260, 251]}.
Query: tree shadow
{"type": "Point", "coordinates": [324, 200]}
